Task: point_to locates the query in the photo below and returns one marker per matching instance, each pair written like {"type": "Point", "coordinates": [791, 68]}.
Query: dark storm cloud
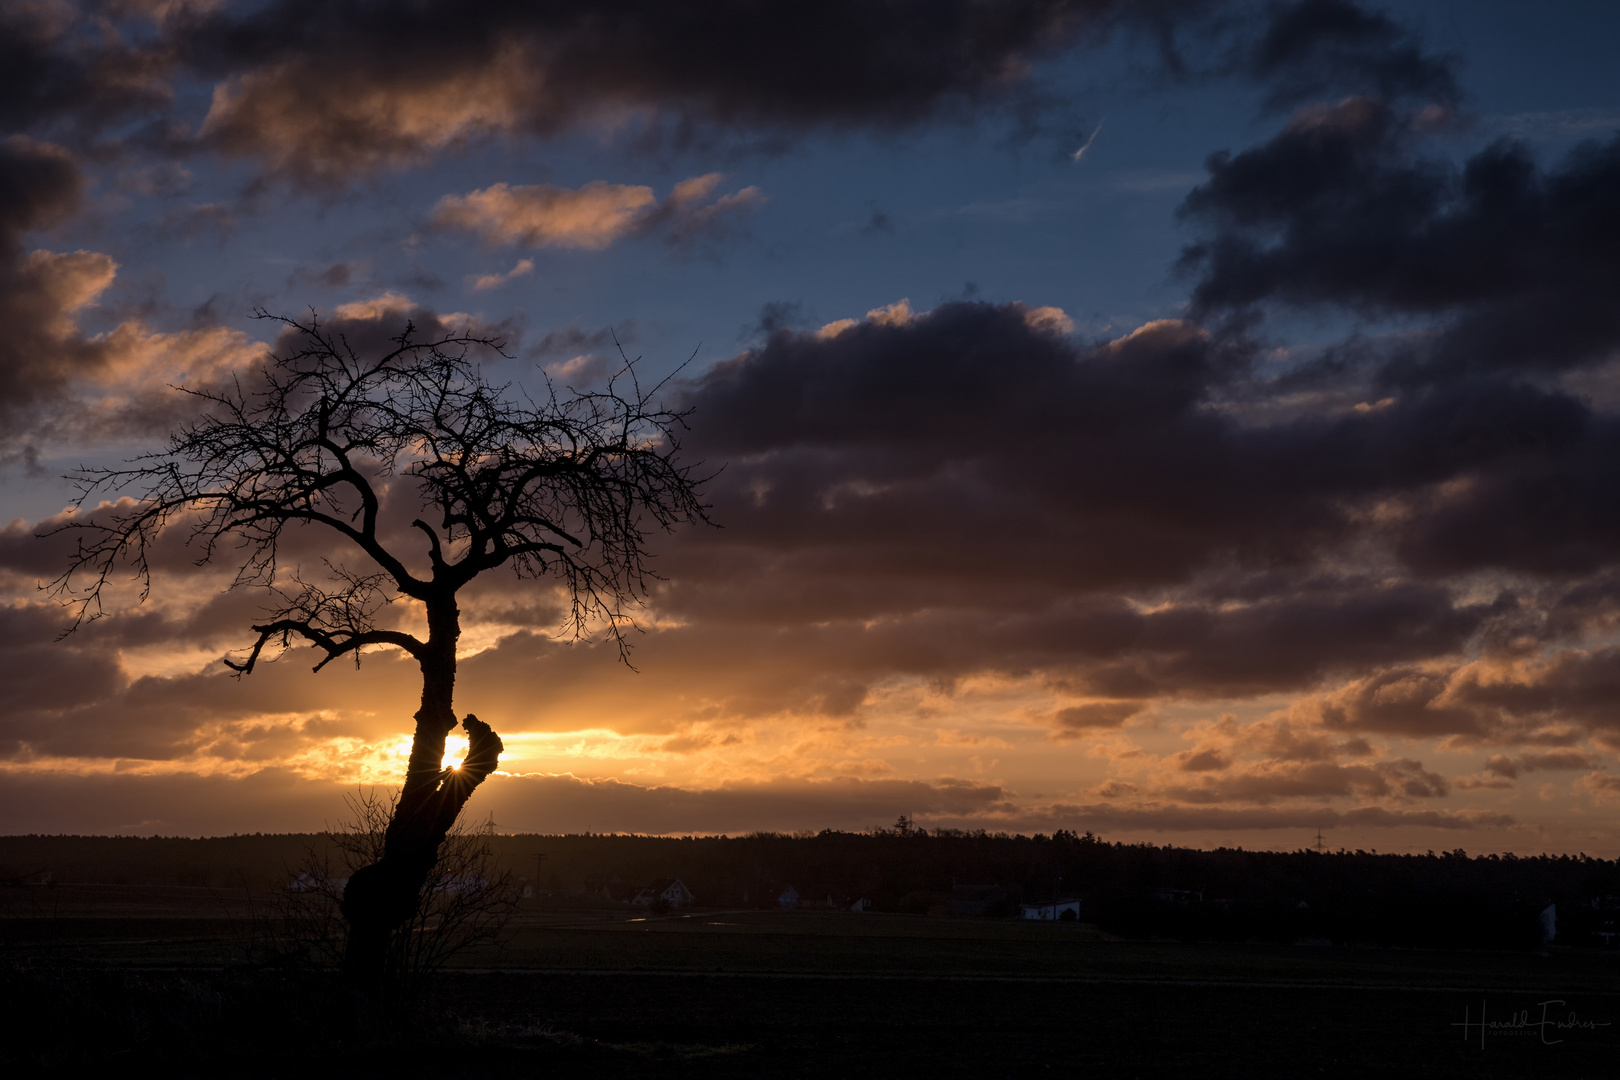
{"type": "Point", "coordinates": [67, 74]}
{"type": "Point", "coordinates": [972, 488]}
{"type": "Point", "coordinates": [790, 661]}
{"type": "Point", "coordinates": [1328, 48]}
{"type": "Point", "coordinates": [324, 90]}
{"type": "Point", "coordinates": [1518, 263]}
{"type": "Point", "coordinates": [42, 351]}
{"type": "Point", "coordinates": [974, 444]}
{"type": "Point", "coordinates": [1508, 269]}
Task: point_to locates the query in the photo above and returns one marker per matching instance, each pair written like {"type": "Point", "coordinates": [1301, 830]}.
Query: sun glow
{"type": "Point", "coordinates": [454, 751]}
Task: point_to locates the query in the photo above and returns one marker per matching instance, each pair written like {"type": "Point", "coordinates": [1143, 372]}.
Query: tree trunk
{"type": "Point", "coordinates": [381, 898]}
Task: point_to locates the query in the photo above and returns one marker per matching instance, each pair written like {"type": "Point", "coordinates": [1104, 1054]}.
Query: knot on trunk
{"type": "Point", "coordinates": [484, 749]}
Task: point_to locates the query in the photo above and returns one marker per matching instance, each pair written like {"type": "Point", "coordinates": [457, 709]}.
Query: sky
{"type": "Point", "coordinates": [1196, 422]}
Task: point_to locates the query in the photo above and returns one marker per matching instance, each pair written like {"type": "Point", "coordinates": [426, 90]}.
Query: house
{"type": "Point", "coordinates": [863, 904]}
{"type": "Point", "coordinates": [671, 892]}
{"type": "Point", "coordinates": [1547, 922]}
{"type": "Point", "coordinates": [1179, 897]}
{"type": "Point", "coordinates": [788, 899]}
{"type": "Point", "coordinates": [1052, 909]}
{"type": "Point", "coordinates": [305, 882]}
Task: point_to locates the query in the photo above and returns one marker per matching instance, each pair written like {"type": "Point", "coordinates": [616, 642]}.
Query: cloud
{"type": "Point", "coordinates": [59, 76]}
{"type": "Point", "coordinates": [519, 269]}
{"type": "Point", "coordinates": [1320, 48]}
{"type": "Point", "coordinates": [1077, 471]}
{"type": "Point", "coordinates": [57, 382]}
{"type": "Point", "coordinates": [1401, 779]}
{"type": "Point", "coordinates": [591, 217]}
{"type": "Point", "coordinates": [1160, 818]}
{"type": "Point", "coordinates": [1342, 210]}
{"type": "Point", "coordinates": [322, 97]}
{"type": "Point", "coordinates": [594, 216]}
{"type": "Point", "coordinates": [1604, 788]}
{"type": "Point", "coordinates": [40, 185]}
{"type": "Point", "coordinates": [1508, 769]}
{"type": "Point", "coordinates": [1076, 719]}
{"type": "Point", "coordinates": [573, 339]}
{"type": "Point", "coordinates": [188, 803]}
{"type": "Point", "coordinates": [324, 94]}
{"type": "Point", "coordinates": [1554, 699]}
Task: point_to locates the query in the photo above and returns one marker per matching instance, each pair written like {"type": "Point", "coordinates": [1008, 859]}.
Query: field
{"type": "Point", "coordinates": [108, 974]}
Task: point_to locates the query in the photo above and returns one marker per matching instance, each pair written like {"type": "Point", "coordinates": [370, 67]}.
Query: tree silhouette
{"type": "Point", "coordinates": [567, 488]}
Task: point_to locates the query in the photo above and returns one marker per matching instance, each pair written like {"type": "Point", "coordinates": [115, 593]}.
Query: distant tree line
{"type": "Point", "coordinates": [1446, 900]}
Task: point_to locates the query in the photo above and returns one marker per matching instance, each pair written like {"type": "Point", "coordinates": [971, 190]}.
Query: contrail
{"type": "Point", "coordinates": [1080, 153]}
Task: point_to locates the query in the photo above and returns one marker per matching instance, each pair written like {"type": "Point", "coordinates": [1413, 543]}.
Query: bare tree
{"type": "Point", "coordinates": [569, 487]}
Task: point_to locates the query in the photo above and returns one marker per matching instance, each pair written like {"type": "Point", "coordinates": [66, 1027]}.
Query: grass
{"type": "Point", "coordinates": [102, 979]}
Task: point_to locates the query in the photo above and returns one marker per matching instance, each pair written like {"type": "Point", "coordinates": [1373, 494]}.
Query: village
{"type": "Point", "coordinates": [671, 894]}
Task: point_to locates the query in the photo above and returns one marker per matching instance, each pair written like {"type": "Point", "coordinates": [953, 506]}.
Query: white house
{"type": "Point", "coordinates": [789, 898]}
{"type": "Point", "coordinates": [672, 891]}
{"type": "Point", "coordinates": [1052, 909]}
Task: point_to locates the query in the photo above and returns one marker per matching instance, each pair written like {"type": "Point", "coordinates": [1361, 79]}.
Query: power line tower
{"type": "Point", "coordinates": [1319, 840]}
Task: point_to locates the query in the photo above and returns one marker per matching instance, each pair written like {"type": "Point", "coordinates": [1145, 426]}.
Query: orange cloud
{"type": "Point", "coordinates": [522, 268]}
{"type": "Point", "coordinates": [593, 216]}
{"type": "Point", "coordinates": [541, 215]}
{"type": "Point", "coordinates": [323, 124]}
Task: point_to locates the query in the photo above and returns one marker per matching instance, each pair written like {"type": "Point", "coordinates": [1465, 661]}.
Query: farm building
{"type": "Point", "coordinates": [1052, 909]}
{"type": "Point", "coordinates": [671, 891]}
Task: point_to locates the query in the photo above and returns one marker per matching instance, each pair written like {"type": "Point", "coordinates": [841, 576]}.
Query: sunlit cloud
{"type": "Point", "coordinates": [593, 216]}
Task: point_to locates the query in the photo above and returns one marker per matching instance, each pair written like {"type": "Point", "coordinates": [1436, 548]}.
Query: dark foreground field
{"type": "Point", "coordinates": [110, 979]}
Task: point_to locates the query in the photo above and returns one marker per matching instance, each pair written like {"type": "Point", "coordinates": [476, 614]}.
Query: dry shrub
{"type": "Point", "coordinates": [467, 901]}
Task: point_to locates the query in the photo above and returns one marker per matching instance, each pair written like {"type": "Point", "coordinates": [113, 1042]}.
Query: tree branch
{"type": "Point", "coordinates": [333, 644]}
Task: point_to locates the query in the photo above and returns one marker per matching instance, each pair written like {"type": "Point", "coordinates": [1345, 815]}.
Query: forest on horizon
{"type": "Point", "coordinates": [1449, 899]}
